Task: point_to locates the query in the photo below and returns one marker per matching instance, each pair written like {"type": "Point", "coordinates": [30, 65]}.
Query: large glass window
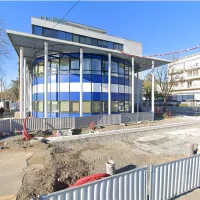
{"type": "Point", "coordinates": [54, 33]}
{"type": "Point", "coordinates": [83, 39]}
{"type": "Point", "coordinates": [46, 32]}
{"type": "Point", "coordinates": [35, 71]}
{"type": "Point", "coordinates": [105, 44]}
{"type": "Point", "coordinates": [41, 69]}
{"type": "Point", "coordinates": [54, 106]}
{"type": "Point", "coordinates": [94, 42]}
{"type": "Point", "coordinates": [110, 45]}
{"type": "Point", "coordinates": [88, 40]}
{"type": "Point", "coordinates": [54, 66]}
{"type": "Point", "coordinates": [61, 35]}
{"type": "Point", "coordinates": [96, 106]}
{"type": "Point", "coordinates": [100, 43]}
{"type": "Point", "coordinates": [96, 64]}
{"type": "Point", "coordinates": [68, 36]}
{"type": "Point", "coordinates": [40, 106]}
{"type": "Point", "coordinates": [86, 107]}
{"type": "Point", "coordinates": [121, 68]}
{"type": "Point", "coordinates": [74, 63]}
{"type": "Point", "coordinates": [114, 106]}
{"type": "Point", "coordinates": [74, 106]}
{"type": "Point", "coordinates": [64, 106]}
{"type": "Point", "coordinates": [120, 47]}
{"type": "Point", "coordinates": [104, 67]}
{"type": "Point", "coordinates": [127, 106]}
{"type": "Point", "coordinates": [64, 64]}
{"type": "Point", "coordinates": [114, 68]}
{"type": "Point", "coordinates": [37, 30]}
{"type": "Point", "coordinates": [105, 107]}
{"type": "Point", "coordinates": [121, 106]}
{"type": "Point", "coordinates": [116, 46]}
{"type": "Point", "coordinates": [75, 38]}
{"type": "Point", "coordinates": [86, 64]}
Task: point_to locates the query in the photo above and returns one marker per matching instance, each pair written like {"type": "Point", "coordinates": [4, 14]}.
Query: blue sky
{"type": "Point", "coordinates": [160, 26]}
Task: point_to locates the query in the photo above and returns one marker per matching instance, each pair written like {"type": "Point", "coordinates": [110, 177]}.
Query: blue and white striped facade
{"type": "Point", "coordinates": [69, 69]}
{"type": "Point", "coordinates": [64, 85]}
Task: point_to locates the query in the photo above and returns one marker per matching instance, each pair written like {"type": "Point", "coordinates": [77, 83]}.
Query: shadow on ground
{"type": "Point", "coordinates": [125, 169]}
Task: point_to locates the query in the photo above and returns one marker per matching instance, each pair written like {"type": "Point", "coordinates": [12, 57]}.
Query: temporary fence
{"type": "Point", "coordinates": [174, 178]}
{"type": "Point", "coordinates": [166, 181]}
{"type": "Point", "coordinates": [129, 185]}
{"type": "Point", "coordinates": [73, 122]}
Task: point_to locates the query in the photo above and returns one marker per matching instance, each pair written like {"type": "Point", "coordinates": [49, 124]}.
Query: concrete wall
{"type": "Point", "coordinates": [131, 47]}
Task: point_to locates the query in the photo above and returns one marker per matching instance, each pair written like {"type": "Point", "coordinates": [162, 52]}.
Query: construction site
{"type": "Point", "coordinates": [39, 166]}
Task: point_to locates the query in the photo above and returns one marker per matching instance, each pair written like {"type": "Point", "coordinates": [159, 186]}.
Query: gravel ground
{"type": "Point", "coordinates": [54, 167]}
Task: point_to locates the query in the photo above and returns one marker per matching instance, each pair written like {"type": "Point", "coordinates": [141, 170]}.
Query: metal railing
{"type": "Point", "coordinates": [73, 122]}
{"type": "Point", "coordinates": [129, 185]}
{"type": "Point", "coordinates": [174, 178]}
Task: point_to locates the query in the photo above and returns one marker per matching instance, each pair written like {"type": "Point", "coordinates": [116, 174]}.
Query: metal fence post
{"type": "Point", "coordinates": [151, 182]}
{"type": "Point", "coordinates": [10, 125]}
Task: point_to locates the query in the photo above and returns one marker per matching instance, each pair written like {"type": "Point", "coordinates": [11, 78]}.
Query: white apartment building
{"type": "Point", "coordinates": [186, 72]}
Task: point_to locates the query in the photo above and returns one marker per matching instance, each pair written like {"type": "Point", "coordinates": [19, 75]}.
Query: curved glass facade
{"type": "Point", "coordinates": [64, 85]}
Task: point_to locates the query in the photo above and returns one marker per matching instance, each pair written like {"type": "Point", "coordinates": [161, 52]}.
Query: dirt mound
{"type": "Point", "coordinates": [62, 167]}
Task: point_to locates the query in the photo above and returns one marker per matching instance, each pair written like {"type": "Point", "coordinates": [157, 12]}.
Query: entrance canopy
{"type": "Point", "coordinates": [34, 47]}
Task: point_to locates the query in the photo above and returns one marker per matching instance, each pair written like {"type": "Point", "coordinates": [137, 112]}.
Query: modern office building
{"type": "Point", "coordinates": [69, 69]}
{"type": "Point", "coordinates": [187, 73]}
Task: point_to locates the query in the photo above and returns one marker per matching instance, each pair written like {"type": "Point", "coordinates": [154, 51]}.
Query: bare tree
{"type": "Point", "coordinates": [166, 78]}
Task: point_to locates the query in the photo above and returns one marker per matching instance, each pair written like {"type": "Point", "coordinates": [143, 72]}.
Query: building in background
{"type": "Point", "coordinates": [69, 69]}
{"type": "Point", "coordinates": [186, 88]}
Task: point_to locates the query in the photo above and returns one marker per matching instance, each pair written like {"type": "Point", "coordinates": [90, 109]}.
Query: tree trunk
{"type": "Point", "coordinates": [165, 105]}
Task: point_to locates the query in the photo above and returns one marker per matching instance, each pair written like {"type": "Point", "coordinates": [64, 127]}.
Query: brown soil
{"type": "Point", "coordinates": [55, 170]}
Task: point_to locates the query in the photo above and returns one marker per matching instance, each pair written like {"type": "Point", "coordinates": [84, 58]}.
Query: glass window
{"type": "Point", "coordinates": [114, 67]}
{"type": "Point", "coordinates": [114, 106]}
{"type": "Point", "coordinates": [105, 44]}
{"type": "Point", "coordinates": [96, 64]}
{"type": "Point", "coordinates": [120, 47]}
{"type": "Point", "coordinates": [54, 65]}
{"type": "Point", "coordinates": [64, 106]}
{"type": "Point", "coordinates": [88, 40]}
{"type": "Point", "coordinates": [54, 106]}
{"type": "Point", "coordinates": [94, 42]}
{"type": "Point", "coordinates": [116, 46]}
{"type": "Point", "coordinates": [83, 39]}
{"type": "Point", "coordinates": [110, 45]}
{"type": "Point", "coordinates": [49, 106]}
{"type": "Point", "coordinates": [68, 36]}
{"type": "Point", "coordinates": [105, 107]}
{"type": "Point", "coordinates": [35, 69]}
{"type": "Point", "coordinates": [74, 63]}
{"type": "Point", "coordinates": [127, 106]}
{"type": "Point", "coordinates": [121, 68]}
{"type": "Point", "coordinates": [37, 30]}
{"type": "Point", "coordinates": [100, 43]}
{"type": "Point", "coordinates": [54, 33]}
{"type": "Point", "coordinates": [86, 107]}
{"type": "Point", "coordinates": [121, 106]}
{"type": "Point", "coordinates": [61, 35]}
{"type": "Point", "coordinates": [104, 66]}
{"type": "Point", "coordinates": [46, 32]}
{"type": "Point", "coordinates": [96, 106]}
{"type": "Point", "coordinates": [41, 68]}
{"type": "Point", "coordinates": [74, 106]}
{"type": "Point", "coordinates": [86, 64]}
{"type": "Point", "coordinates": [40, 106]}
{"type": "Point", "coordinates": [64, 64]}
{"type": "Point", "coordinates": [75, 38]}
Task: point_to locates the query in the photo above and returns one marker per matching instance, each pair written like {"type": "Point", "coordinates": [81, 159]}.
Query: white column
{"type": "Point", "coordinates": [24, 88]}
{"type": "Point", "coordinates": [21, 80]}
{"type": "Point", "coordinates": [45, 79]}
{"type": "Point", "coordinates": [138, 92]}
{"type": "Point", "coordinates": [109, 83]}
{"type": "Point", "coordinates": [81, 82]}
{"type": "Point", "coordinates": [133, 85]}
{"type": "Point", "coordinates": [152, 88]}
{"type": "Point", "coordinates": [30, 93]}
